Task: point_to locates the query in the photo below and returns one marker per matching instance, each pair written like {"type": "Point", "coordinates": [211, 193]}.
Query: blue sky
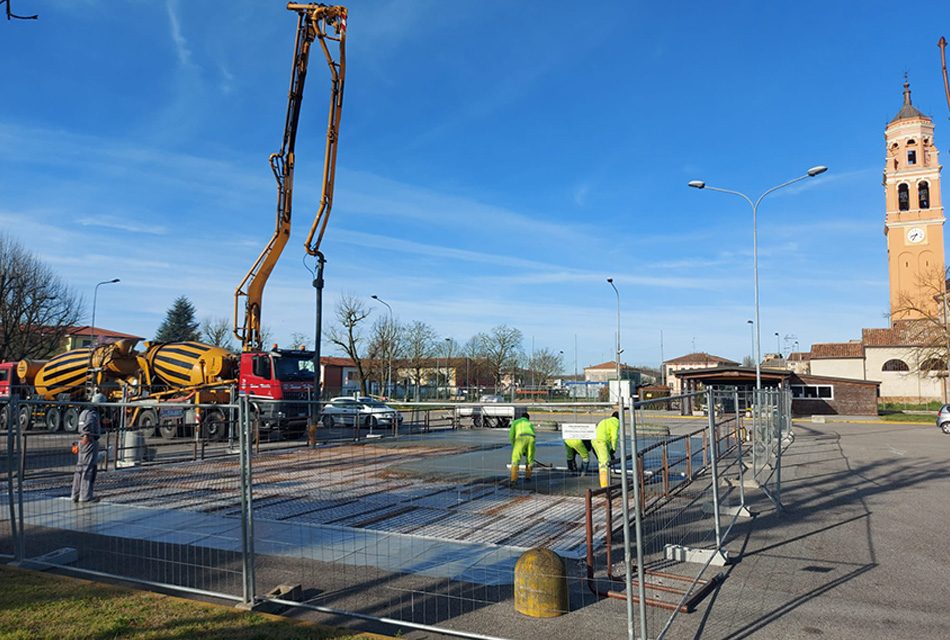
{"type": "Point", "coordinates": [498, 161]}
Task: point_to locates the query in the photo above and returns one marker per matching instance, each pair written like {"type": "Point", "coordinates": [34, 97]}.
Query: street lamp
{"type": "Point", "coordinates": [95, 295]}
{"type": "Point", "coordinates": [610, 281]}
{"type": "Point", "coordinates": [389, 347]}
{"type": "Point", "coordinates": [778, 345]}
{"type": "Point", "coordinates": [699, 184]}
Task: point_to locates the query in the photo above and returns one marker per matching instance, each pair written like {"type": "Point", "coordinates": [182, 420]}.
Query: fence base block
{"type": "Point", "coordinates": [741, 512]}
{"type": "Point", "coordinates": [58, 558]}
{"type": "Point", "coordinates": [679, 553]}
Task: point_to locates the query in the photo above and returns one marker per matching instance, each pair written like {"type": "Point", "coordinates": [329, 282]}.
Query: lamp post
{"type": "Point", "coordinates": [448, 355]}
{"type": "Point", "coordinates": [389, 347]}
{"type": "Point", "coordinates": [752, 336]}
{"type": "Point", "coordinates": [95, 295]}
{"type": "Point", "coordinates": [699, 184]}
{"type": "Point", "coordinates": [778, 346]}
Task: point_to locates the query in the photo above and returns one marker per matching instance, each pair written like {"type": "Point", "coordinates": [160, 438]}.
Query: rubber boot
{"type": "Point", "coordinates": [527, 472]}
{"type": "Point", "coordinates": [514, 473]}
{"type": "Point", "coordinates": [604, 478]}
{"type": "Point", "coordinates": [571, 465]}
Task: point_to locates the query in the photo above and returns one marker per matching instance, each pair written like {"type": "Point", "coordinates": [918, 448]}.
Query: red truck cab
{"type": "Point", "coordinates": [279, 384]}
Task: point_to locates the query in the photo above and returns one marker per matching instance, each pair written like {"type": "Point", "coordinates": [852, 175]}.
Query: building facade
{"type": "Point", "coordinates": [701, 360]}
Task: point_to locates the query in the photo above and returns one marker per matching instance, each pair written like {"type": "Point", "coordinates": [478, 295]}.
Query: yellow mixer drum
{"type": "Point", "coordinates": [183, 364]}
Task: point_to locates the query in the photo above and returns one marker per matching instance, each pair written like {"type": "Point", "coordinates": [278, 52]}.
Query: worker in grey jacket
{"type": "Point", "coordinates": [89, 432]}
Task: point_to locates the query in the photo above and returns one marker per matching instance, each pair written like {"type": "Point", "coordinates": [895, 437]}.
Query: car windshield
{"type": "Point", "coordinates": [294, 368]}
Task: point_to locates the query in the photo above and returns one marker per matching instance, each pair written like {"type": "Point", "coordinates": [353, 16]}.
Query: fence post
{"type": "Point", "coordinates": [713, 468]}
{"type": "Point", "coordinates": [13, 414]}
{"type": "Point", "coordinates": [740, 442]}
{"type": "Point", "coordinates": [781, 410]}
{"type": "Point", "coordinates": [637, 518]}
{"type": "Point", "coordinates": [247, 505]}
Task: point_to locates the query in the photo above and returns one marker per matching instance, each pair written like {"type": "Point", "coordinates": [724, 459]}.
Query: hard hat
{"type": "Point", "coordinates": [98, 398]}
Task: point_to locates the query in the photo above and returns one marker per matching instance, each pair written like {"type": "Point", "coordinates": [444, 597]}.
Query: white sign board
{"type": "Point", "coordinates": [578, 431]}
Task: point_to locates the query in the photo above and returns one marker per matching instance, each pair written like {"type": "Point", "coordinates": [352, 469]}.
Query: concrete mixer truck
{"type": "Point", "coordinates": [278, 384]}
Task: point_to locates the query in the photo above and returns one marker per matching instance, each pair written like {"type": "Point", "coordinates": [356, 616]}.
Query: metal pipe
{"type": "Point", "coordinates": [318, 335]}
{"type": "Point", "coordinates": [638, 525]}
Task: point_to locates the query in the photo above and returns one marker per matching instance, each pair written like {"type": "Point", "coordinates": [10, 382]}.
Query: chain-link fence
{"type": "Point", "coordinates": [770, 411]}
{"type": "Point", "coordinates": [415, 515]}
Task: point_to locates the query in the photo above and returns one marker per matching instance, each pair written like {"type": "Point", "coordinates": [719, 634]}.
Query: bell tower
{"type": "Point", "coordinates": [913, 223]}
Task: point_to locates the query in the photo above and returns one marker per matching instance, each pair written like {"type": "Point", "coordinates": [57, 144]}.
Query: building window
{"type": "Point", "coordinates": [895, 365]}
{"type": "Point", "coordinates": [933, 364]}
{"type": "Point", "coordinates": [923, 194]}
{"type": "Point", "coordinates": [903, 197]}
{"type": "Point", "coordinates": [813, 391]}
{"type": "Point", "coordinates": [911, 156]}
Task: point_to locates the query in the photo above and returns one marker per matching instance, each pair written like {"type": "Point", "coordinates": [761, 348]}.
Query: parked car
{"type": "Point", "coordinates": [344, 411]}
{"type": "Point", "coordinates": [943, 418]}
{"type": "Point", "coordinates": [492, 397]}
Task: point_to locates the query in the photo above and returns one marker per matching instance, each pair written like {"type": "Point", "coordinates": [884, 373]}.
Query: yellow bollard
{"type": "Point", "coordinates": [540, 584]}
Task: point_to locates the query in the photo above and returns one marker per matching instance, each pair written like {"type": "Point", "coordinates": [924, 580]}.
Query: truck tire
{"type": "Point", "coordinates": [215, 426]}
{"type": "Point", "coordinates": [168, 431]}
{"type": "Point", "coordinates": [71, 420]}
{"type": "Point", "coordinates": [147, 421]}
{"type": "Point", "coordinates": [477, 421]}
{"type": "Point", "coordinates": [53, 419]}
{"type": "Point", "coordinates": [4, 416]}
{"type": "Point", "coordinates": [26, 417]}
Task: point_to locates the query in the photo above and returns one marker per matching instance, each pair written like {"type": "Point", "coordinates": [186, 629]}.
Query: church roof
{"type": "Point", "coordinates": [908, 111]}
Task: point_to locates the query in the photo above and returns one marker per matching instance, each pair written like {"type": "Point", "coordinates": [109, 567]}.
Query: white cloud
{"type": "Point", "coordinates": [181, 45]}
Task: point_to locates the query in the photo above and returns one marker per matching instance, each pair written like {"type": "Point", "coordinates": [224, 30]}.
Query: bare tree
{"type": "Point", "coordinates": [299, 340]}
{"type": "Point", "coordinates": [921, 322]}
{"type": "Point", "coordinates": [385, 346]}
{"type": "Point", "coordinates": [502, 348]}
{"type": "Point", "coordinates": [36, 307]}
{"type": "Point", "coordinates": [418, 349]}
{"type": "Point", "coordinates": [545, 364]}
{"type": "Point", "coordinates": [350, 314]}
{"type": "Point", "coordinates": [217, 331]}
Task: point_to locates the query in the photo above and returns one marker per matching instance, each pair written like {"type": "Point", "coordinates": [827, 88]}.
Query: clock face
{"type": "Point", "coordinates": [915, 235]}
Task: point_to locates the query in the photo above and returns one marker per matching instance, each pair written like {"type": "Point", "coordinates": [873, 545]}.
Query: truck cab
{"type": "Point", "coordinates": [9, 380]}
{"type": "Point", "coordinates": [279, 384]}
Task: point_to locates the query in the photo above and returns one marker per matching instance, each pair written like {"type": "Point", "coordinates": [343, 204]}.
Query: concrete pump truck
{"type": "Point", "coordinates": [278, 382]}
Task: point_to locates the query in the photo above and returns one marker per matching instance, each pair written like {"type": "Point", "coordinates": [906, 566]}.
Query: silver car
{"type": "Point", "coordinates": [347, 410]}
{"type": "Point", "coordinates": [943, 418]}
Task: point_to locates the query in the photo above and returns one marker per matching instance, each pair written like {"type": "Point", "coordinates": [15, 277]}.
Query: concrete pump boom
{"type": "Point", "coordinates": [314, 21]}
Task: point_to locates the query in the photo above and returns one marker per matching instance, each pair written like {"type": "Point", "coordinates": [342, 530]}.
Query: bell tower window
{"type": "Point", "coordinates": [911, 156]}
{"type": "Point", "coordinates": [903, 197]}
{"type": "Point", "coordinates": [923, 194]}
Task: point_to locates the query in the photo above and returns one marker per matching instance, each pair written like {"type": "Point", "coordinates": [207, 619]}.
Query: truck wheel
{"type": "Point", "coordinates": [53, 415]}
{"type": "Point", "coordinates": [147, 420]}
{"type": "Point", "coordinates": [215, 426]}
{"type": "Point", "coordinates": [4, 416]}
{"type": "Point", "coordinates": [477, 421]}
{"type": "Point", "coordinates": [503, 423]}
{"type": "Point", "coordinates": [26, 417]}
{"type": "Point", "coordinates": [168, 431]}
{"type": "Point", "coordinates": [71, 420]}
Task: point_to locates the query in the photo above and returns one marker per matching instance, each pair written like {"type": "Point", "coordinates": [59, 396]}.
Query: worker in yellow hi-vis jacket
{"type": "Point", "coordinates": [521, 435]}
{"type": "Point", "coordinates": [605, 443]}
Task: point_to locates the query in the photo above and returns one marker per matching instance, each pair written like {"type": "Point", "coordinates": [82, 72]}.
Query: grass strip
{"type": "Point", "coordinates": [42, 605]}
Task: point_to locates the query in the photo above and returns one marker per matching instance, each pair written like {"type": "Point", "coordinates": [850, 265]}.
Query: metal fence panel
{"type": "Point", "coordinates": [163, 514]}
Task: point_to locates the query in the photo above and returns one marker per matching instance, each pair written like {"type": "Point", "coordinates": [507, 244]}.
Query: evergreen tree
{"type": "Point", "coordinates": [179, 324]}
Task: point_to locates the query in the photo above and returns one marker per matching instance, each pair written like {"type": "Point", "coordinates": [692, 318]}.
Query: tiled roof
{"type": "Point", "coordinates": [339, 362]}
{"type": "Point", "coordinates": [837, 350]}
{"type": "Point", "coordinates": [610, 364]}
{"type": "Point", "coordinates": [99, 331]}
{"type": "Point", "coordinates": [700, 358]}
{"type": "Point", "coordinates": [799, 356]}
{"type": "Point", "coordinates": [904, 333]}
